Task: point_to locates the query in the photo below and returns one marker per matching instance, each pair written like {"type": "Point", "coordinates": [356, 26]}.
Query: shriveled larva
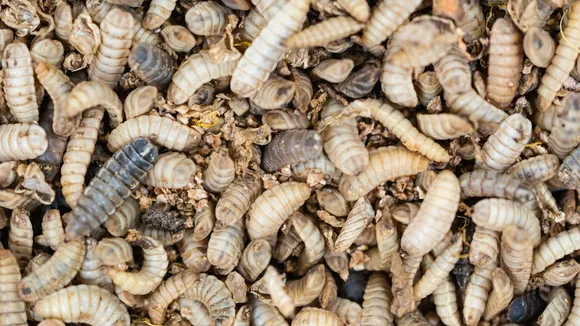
{"type": "Point", "coordinates": [484, 248]}
{"type": "Point", "coordinates": [20, 237]}
{"type": "Point", "coordinates": [161, 130]}
{"type": "Point", "coordinates": [238, 197]}
{"type": "Point", "coordinates": [342, 142]}
{"type": "Point", "coordinates": [558, 309]}
{"type": "Point", "coordinates": [111, 58]}
{"type": "Point", "coordinates": [387, 238]}
{"type": "Point", "coordinates": [285, 120]}
{"type": "Point", "coordinates": [435, 216]}
{"type": "Point", "coordinates": [215, 296]}
{"type": "Point", "coordinates": [361, 82]}
{"type": "Point", "coordinates": [500, 296]}
{"type": "Point", "coordinates": [178, 38]}
{"type": "Point", "coordinates": [140, 101]}
{"type": "Point", "coordinates": [504, 146]}
{"type": "Point", "coordinates": [291, 147]}
{"type": "Point", "coordinates": [443, 126]}
{"type": "Point", "coordinates": [55, 274]}
{"type": "Point", "coordinates": [114, 251]}
{"type": "Point", "coordinates": [516, 256]}
{"type": "Point", "coordinates": [167, 292]}
{"type": "Point", "coordinates": [358, 218]}
{"type": "Point", "coordinates": [397, 82]}
{"type": "Point", "coordinates": [489, 183]}
{"type": "Point", "coordinates": [276, 93]}
{"type": "Point", "coordinates": [52, 228]}
{"type": "Point", "coordinates": [539, 46]}
{"type": "Point", "coordinates": [194, 252]}
{"type": "Point", "coordinates": [304, 91]}
{"type": "Point", "coordinates": [377, 172]}
{"type": "Point", "coordinates": [427, 86]}
{"type": "Point", "coordinates": [125, 217]}
{"type": "Point", "coordinates": [279, 297]}
{"type": "Point", "coordinates": [94, 93]}
{"type": "Point", "coordinates": [445, 300]}
{"type": "Point", "coordinates": [243, 316]}
{"type": "Point", "coordinates": [563, 138]}
{"type": "Point", "coordinates": [158, 13]}
{"type": "Point", "coordinates": [85, 36]}
{"type": "Point", "coordinates": [63, 21]}
{"type": "Point", "coordinates": [320, 164]}
{"type": "Point", "coordinates": [92, 271]}
{"type": "Point", "coordinates": [377, 296]}
{"type": "Point", "coordinates": [12, 309]}
{"type": "Point", "coordinates": [225, 247]}
{"type": "Point", "coordinates": [453, 72]}
{"type": "Point", "coordinates": [312, 239]}
{"type": "Point", "coordinates": [325, 32]}
{"type": "Point", "coordinates": [154, 267]}
{"type": "Point", "coordinates": [261, 58]}
{"type": "Point", "coordinates": [505, 62]}
{"type": "Point", "coordinates": [64, 305]}
{"type": "Point", "coordinates": [438, 271]}
{"type": "Point", "coordinates": [172, 170]}
{"type": "Point", "coordinates": [404, 271]}
{"type": "Point", "coordinates": [253, 25]}
{"type": "Point", "coordinates": [569, 171]}
{"type": "Point", "coordinates": [414, 318]}
{"type": "Point", "coordinates": [561, 273]}
{"type": "Point", "coordinates": [386, 18]}
{"type": "Point", "coordinates": [197, 70]}
{"type": "Point", "coordinates": [207, 18]}
{"type": "Point", "coordinates": [22, 141]}
{"type": "Point", "coordinates": [254, 259]}
{"type": "Point", "coordinates": [18, 82]}
{"type": "Point", "coordinates": [556, 247]}
{"type": "Point", "coordinates": [332, 201]}
{"type": "Point", "coordinates": [304, 290]}
{"type": "Point", "coordinates": [348, 311]}
{"type": "Point", "coordinates": [536, 169]}
{"type": "Point", "coordinates": [204, 221]}
{"type": "Point", "coordinates": [477, 293]}
{"type": "Point", "coordinates": [405, 212]}
{"type": "Point", "coordinates": [49, 51]}
{"type": "Point", "coordinates": [220, 172]}
{"type": "Point", "coordinates": [287, 245]}
{"type": "Point", "coordinates": [265, 315]}
{"type": "Point", "coordinates": [151, 64]}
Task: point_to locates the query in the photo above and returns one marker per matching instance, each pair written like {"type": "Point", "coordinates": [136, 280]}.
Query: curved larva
{"type": "Point", "coordinates": [215, 296]}
{"type": "Point", "coordinates": [55, 274]}
{"type": "Point", "coordinates": [63, 21]}
{"type": "Point", "coordinates": [291, 147]}
{"type": "Point", "coordinates": [397, 83]}
{"type": "Point", "coordinates": [361, 82]}
{"type": "Point", "coordinates": [304, 290]}
{"type": "Point", "coordinates": [320, 164]}
{"type": "Point", "coordinates": [321, 317]}
{"type": "Point", "coordinates": [427, 86]}
{"type": "Point", "coordinates": [484, 247]}
{"type": "Point", "coordinates": [272, 208]}
{"type": "Point", "coordinates": [435, 216]}
{"type": "Point", "coordinates": [564, 137]}
{"type": "Point", "coordinates": [535, 169]}
{"type": "Point", "coordinates": [443, 126]}
{"type": "Point", "coordinates": [329, 292]}
{"type": "Point", "coordinates": [477, 293]}
{"type": "Point", "coordinates": [253, 25]}
{"type": "Point", "coordinates": [263, 314]}
{"type": "Point", "coordinates": [395, 122]}
{"type": "Point", "coordinates": [89, 94]}
{"type": "Point", "coordinates": [342, 143]}
{"type": "Point", "coordinates": [21, 141]}
{"type": "Point", "coordinates": [546, 119]}
{"type": "Point", "coordinates": [333, 70]}
{"type": "Point", "coordinates": [194, 311]}
{"type": "Point", "coordinates": [516, 256]}
{"type": "Point", "coordinates": [445, 300]}
{"type": "Point", "coordinates": [142, 34]}
{"type": "Point", "coordinates": [36, 262]}
{"type": "Point", "coordinates": [387, 238]}
{"type": "Point", "coordinates": [48, 51]}
{"type": "Point", "coordinates": [386, 18]}
{"type": "Point", "coordinates": [304, 91]}
{"type": "Point", "coordinates": [348, 311]}
{"type": "Point", "coordinates": [325, 32]}
{"type": "Point", "coordinates": [152, 271]}
{"type": "Point", "coordinates": [114, 251]}
{"type": "Point", "coordinates": [471, 20]}
{"type": "Point", "coordinates": [377, 171]}
{"type": "Point", "coordinates": [207, 18]}
{"type": "Point", "coordinates": [505, 62]}
{"type": "Point", "coordinates": [556, 247]}
{"type": "Point", "coordinates": [377, 296]}
{"type": "Point", "coordinates": [151, 64]}
{"type": "Point", "coordinates": [220, 172]}
{"type": "Point", "coordinates": [500, 296]}
{"type": "Point", "coordinates": [18, 82]}
{"type": "Point", "coordinates": [167, 292]}
{"type": "Point", "coordinates": [558, 309]}
{"type": "Point", "coordinates": [286, 245]}
{"type": "Point", "coordinates": [158, 13]}
{"type": "Point", "coordinates": [98, 9]}
{"type": "Point", "coordinates": [453, 72]}
{"type": "Point", "coordinates": [505, 145]}
{"type": "Point", "coordinates": [179, 38]}
{"type": "Point", "coordinates": [12, 309]}
{"type": "Point", "coordinates": [20, 238]}
{"type": "Point", "coordinates": [261, 58]}
{"type": "Point", "coordinates": [414, 318]}
{"type": "Point", "coordinates": [569, 171]}
{"type": "Point", "coordinates": [238, 197]}
{"type": "Point", "coordinates": [164, 237]}
{"type": "Point", "coordinates": [561, 273]}
{"type": "Point", "coordinates": [172, 170]}
{"type": "Point", "coordinates": [490, 183]}
{"type": "Point", "coordinates": [476, 109]}
{"type": "Point", "coordinates": [197, 70]}
{"type": "Point", "coordinates": [314, 244]}
{"type": "Point", "coordinates": [275, 287]}
{"type": "Point", "coordinates": [225, 246]}
{"type": "Point", "coordinates": [125, 217]}
{"type": "Point", "coordinates": [359, 9]}
{"type": "Point", "coordinates": [52, 228]}
{"type": "Point", "coordinates": [496, 214]}
{"type": "Point", "coordinates": [140, 101]}
{"type": "Point", "coordinates": [92, 271]}
{"type": "Point", "coordinates": [65, 305]}
{"type": "Point", "coordinates": [254, 259]}
{"type": "Point", "coordinates": [435, 274]}
{"type": "Point", "coordinates": [358, 218]}
{"type": "Point", "coordinates": [204, 221]}
{"type": "Point", "coordinates": [163, 131]}
{"type": "Point", "coordinates": [285, 120]}
{"type": "Point", "coordinates": [539, 46]}
{"type": "Point", "coordinates": [193, 252]}
{"type": "Point", "coordinates": [276, 93]}
{"type": "Point", "coordinates": [11, 200]}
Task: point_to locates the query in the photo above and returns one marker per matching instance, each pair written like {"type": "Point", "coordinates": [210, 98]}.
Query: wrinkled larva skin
{"type": "Point", "coordinates": [12, 309]}
{"type": "Point", "coordinates": [574, 316]}
{"type": "Point", "coordinates": [172, 170]}
{"type": "Point", "coordinates": [193, 252]}
{"type": "Point", "coordinates": [325, 32]}
{"type": "Point", "coordinates": [306, 289]}
{"type": "Point", "coordinates": [253, 25]}
{"type": "Point", "coordinates": [291, 147]}
{"type": "Point", "coordinates": [569, 171]}
{"type": "Point", "coordinates": [361, 82]}
{"type": "Point", "coordinates": [445, 300]}
{"type": "Point", "coordinates": [114, 182]}
{"type": "Point", "coordinates": [539, 46]}
{"type": "Point", "coordinates": [516, 256]}
{"type": "Point", "coordinates": [158, 13]}
{"type": "Point", "coordinates": [285, 120]}
{"type": "Point", "coordinates": [564, 137]}
{"type": "Point", "coordinates": [254, 259]}
{"type": "Point", "coordinates": [140, 101]}
{"type": "Point", "coordinates": [386, 18]}
{"type": "Point", "coordinates": [397, 83]}
{"type": "Point", "coordinates": [20, 237]}
{"type": "Point", "coordinates": [276, 93]}
{"type": "Point", "coordinates": [536, 169]}
{"type": "Point", "coordinates": [89, 94]}
{"type": "Point", "coordinates": [22, 141]}
{"type": "Point", "coordinates": [48, 51]}
{"type": "Point", "coordinates": [348, 311]}
{"type": "Point", "coordinates": [194, 311]}
{"type": "Point", "coordinates": [443, 126]}
{"type": "Point", "coordinates": [275, 286]}
{"type": "Point", "coordinates": [225, 246]}
{"type": "Point", "coordinates": [207, 18]}
{"type": "Point", "coordinates": [546, 119]}
{"type": "Point", "coordinates": [414, 318]}
{"type": "Point", "coordinates": [501, 294]}
{"type": "Point", "coordinates": [220, 173]}
{"type": "Point", "coordinates": [558, 309]}
{"type": "Point", "coordinates": [63, 21]}
{"type": "Point", "coordinates": [304, 91]}
{"type": "Point", "coordinates": [358, 9]}
{"type": "Point", "coordinates": [377, 296]}
{"type": "Point", "coordinates": [92, 271]}
{"type": "Point", "coordinates": [178, 38]}
{"type": "Point", "coordinates": [18, 82]}
{"type": "Point", "coordinates": [358, 218]}
{"type": "Point", "coordinates": [476, 109]}
{"type": "Point", "coordinates": [216, 297]}
{"type": "Point", "coordinates": [453, 72]}
{"type": "Point", "coordinates": [286, 244]}
{"type": "Point", "coordinates": [477, 293]}
{"type": "Point", "coordinates": [427, 86]}
{"type": "Point", "coordinates": [311, 316]}
{"type": "Point", "coordinates": [484, 248]}
{"type": "Point", "coordinates": [489, 183]}
{"type": "Point", "coordinates": [554, 248]}
{"type": "Point", "coordinates": [125, 217]}
{"type": "Point", "coordinates": [141, 34]}
{"type": "Point", "coordinates": [238, 197]}
{"type": "Point", "coordinates": [114, 251]}
{"type": "Point", "coordinates": [52, 228]}
{"type": "Point", "coordinates": [560, 273]}
{"type": "Point", "coordinates": [313, 241]}
{"type": "Point", "coordinates": [334, 70]}
{"type": "Point", "coordinates": [263, 314]}
{"type": "Point", "coordinates": [56, 144]}
{"type": "Point", "coordinates": [151, 64]}
{"type": "Point", "coordinates": [167, 292]}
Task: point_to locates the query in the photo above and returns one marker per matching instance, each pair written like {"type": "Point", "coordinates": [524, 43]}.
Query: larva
{"type": "Point", "coordinates": [329, 291]}
{"type": "Point", "coordinates": [194, 311]}
{"type": "Point", "coordinates": [358, 9]}
{"type": "Point", "coordinates": [151, 64]}
{"type": "Point", "coordinates": [445, 300]}
{"type": "Point", "coordinates": [525, 307]}
{"type": "Point", "coordinates": [178, 38]}
{"type": "Point", "coordinates": [261, 58]}
{"type": "Point", "coordinates": [65, 305]}
{"type": "Point", "coordinates": [558, 309]}
{"type": "Point", "coordinates": [220, 173]}
{"type": "Point", "coordinates": [52, 228]}
{"type": "Point", "coordinates": [127, 3]}
{"type": "Point", "coordinates": [140, 101]}
{"type": "Point", "coordinates": [56, 144]}
{"type": "Point", "coordinates": [561, 273]}
{"type": "Point", "coordinates": [164, 237]}
{"type": "Point", "coordinates": [563, 138]}
{"type": "Point", "coordinates": [453, 72]}
{"type": "Point", "coordinates": [443, 126]}
{"type": "Point", "coordinates": [197, 70]}
{"type": "Point", "coordinates": [285, 120]}
{"type": "Point", "coordinates": [539, 46]}
{"type": "Point", "coordinates": [116, 34]}
{"type": "Point", "coordinates": [320, 164]}
{"type": "Point", "coordinates": [253, 25]}
{"type": "Point", "coordinates": [358, 218]}
{"type": "Point", "coordinates": [397, 82]}
{"type": "Point", "coordinates": [472, 20]}
{"type": "Point", "coordinates": [237, 198]}
{"type": "Point", "coordinates": [114, 182]}
{"type": "Point", "coordinates": [332, 201]}
{"type": "Point", "coordinates": [272, 208]}
{"type": "Point", "coordinates": [497, 213]}
{"type": "Point", "coordinates": [385, 19]}
{"type": "Point", "coordinates": [215, 296]}
{"type": "Point", "coordinates": [314, 244]}
{"type": "Point", "coordinates": [92, 271]}
{"type": "Point", "coordinates": [254, 259]}
{"type": "Point", "coordinates": [193, 252]}
{"type": "Point", "coordinates": [342, 142]}
{"type": "Point", "coordinates": [304, 91]}
{"type": "Point", "coordinates": [325, 32]}
{"type": "Point", "coordinates": [501, 294]}
{"type": "Point", "coordinates": [477, 293]}
{"type": "Point", "coordinates": [114, 252]}
{"type": "Point", "coordinates": [484, 247]}
{"type": "Point", "coordinates": [546, 119]}
{"type": "Point", "coordinates": [244, 313]}
{"type": "Point", "coordinates": [427, 86]}
{"type": "Point", "coordinates": [124, 218]}
{"type": "Point", "coordinates": [435, 216]}
{"type": "Point", "coordinates": [476, 109]}
{"type": "Point", "coordinates": [516, 256]}
{"type": "Point", "coordinates": [94, 93]}
{"type": "Point", "coordinates": [333, 70]}
{"type": "Point", "coordinates": [204, 221]}
{"type": "Point", "coordinates": [172, 170]}
{"type": "Point", "coordinates": [569, 170]}
{"type": "Point", "coordinates": [55, 274]}
{"type": "Point", "coordinates": [304, 290]}
{"type": "Point", "coordinates": [309, 316]}
{"type": "Point", "coordinates": [348, 311]}
{"type": "Point", "coordinates": [278, 295]}
{"type": "Point", "coordinates": [505, 145]}
{"type": "Point", "coordinates": [163, 131]}
{"type": "Point", "coordinates": [505, 62]}
{"type": "Point", "coordinates": [207, 18]}
{"type": "Point", "coordinates": [387, 238]}
{"type": "Point", "coordinates": [535, 169]}
{"type": "Point", "coordinates": [361, 82]}
{"type": "Point", "coordinates": [395, 122]}
{"type": "Point", "coordinates": [158, 13]}
{"type": "Point", "coordinates": [377, 296]}
{"type": "Point", "coordinates": [35, 263]}
{"type": "Point", "coordinates": [276, 93]}
{"type": "Point", "coordinates": [18, 82]}
{"type": "Point", "coordinates": [377, 172]}
{"type": "Point", "coordinates": [85, 36]}
{"type": "Point", "coordinates": [142, 34]}
{"type": "Point", "coordinates": [556, 247]}
{"type": "Point", "coordinates": [490, 183]}
{"type": "Point", "coordinates": [12, 309]}
{"type": "Point", "coordinates": [338, 263]}
{"type": "Point", "coordinates": [263, 314]}
{"type": "Point", "coordinates": [225, 247]}
{"type": "Point", "coordinates": [154, 267]}
{"type": "Point", "coordinates": [20, 237]}
{"type": "Point", "coordinates": [98, 9]}
{"type": "Point", "coordinates": [574, 316]}
{"type": "Point", "coordinates": [22, 141]}
{"type": "Point", "coordinates": [404, 270]}
{"type": "Point", "coordinates": [288, 244]}
{"type": "Point", "coordinates": [238, 5]}
{"type": "Point", "coordinates": [413, 318]}
{"type": "Point", "coordinates": [48, 51]}
{"type": "Point", "coordinates": [167, 292]}
{"type": "Point", "coordinates": [63, 21]}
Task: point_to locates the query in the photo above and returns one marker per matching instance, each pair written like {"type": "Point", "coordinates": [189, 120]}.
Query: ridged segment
{"type": "Point", "coordinates": [18, 83]}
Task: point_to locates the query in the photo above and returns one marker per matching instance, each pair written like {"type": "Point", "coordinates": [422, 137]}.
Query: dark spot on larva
{"type": "Point", "coordinates": [537, 41]}
{"type": "Point", "coordinates": [283, 91]}
{"type": "Point", "coordinates": [26, 291]}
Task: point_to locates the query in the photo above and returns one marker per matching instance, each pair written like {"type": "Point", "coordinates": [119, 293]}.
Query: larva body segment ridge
{"type": "Point", "coordinates": [18, 83]}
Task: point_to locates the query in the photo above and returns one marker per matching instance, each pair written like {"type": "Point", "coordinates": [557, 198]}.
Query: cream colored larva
{"type": "Point", "coordinates": [12, 309]}
{"type": "Point", "coordinates": [158, 13]}
{"type": "Point", "coordinates": [501, 294]}
{"type": "Point", "coordinates": [443, 126]}
{"type": "Point", "coordinates": [92, 271]}
{"type": "Point", "coordinates": [263, 314]}
{"type": "Point", "coordinates": [172, 170]}
{"type": "Point", "coordinates": [306, 289]}
{"type": "Point", "coordinates": [539, 46]}
{"type": "Point", "coordinates": [357, 220]}
{"type": "Point", "coordinates": [359, 9]}
{"type": "Point", "coordinates": [276, 93]}
{"type": "Point", "coordinates": [18, 82]}
{"type": "Point", "coordinates": [560, 273]}
{"type": "Point", "coordinates": [63, 21]}
{"type": "Point", "coordinates": [225, 247]}
{"type": "Point", "coordinates": [397, 82]}
{"type": "Point", "coordinates": [125, 217]}
{"type": "Point", "coordinates": [516, 256]}
{"type": "Point", "coordinates": [178, 38]}
{"type": "Point", "coordinates": [558, 309]}
{"type": "Point", "coordinates": [140, 101]}
{"type": "Point", "coordinates": [49, 51]}
{"type": "Point", "coordinates": [427, 86]}
{"type": "Point", "coordinates": [20, 237]}
{"type": "Point", "coordinates": [114, 252]}
{"type": "Point", "coordinates": [377, 296]}
{"type": "Point", "coordinates": [313, 242]}
{"type": "Point", "coordinates": [556, 247]}
{"type": "Point", "coordinates": [22, 141]}
{"type": "Point", "coordinates": [237, 198]}
{"type": "Point", "coordinates": [574, 317]}
{"type": "Point", "coordinates": [167, 292]}
{"type": "Point", "coordinates": [325, 32]}
{"type": "Point", "coordinates": [490, 183]}
{"type": "Point", "coordinates": [535, 169]}
{"type": "Point", "coordinates": [385, 19]}
{"type": "Point", "coordinates": [254, 259]}
{"type": "Point", "coordinates": [333, 70]}
{"type": "Point", "coordinates": [52, 228]}
{"type": "Point", "coordinates": [94, 93]}
{"type": "Point", "coordinates": [484, 248]}
{"type": "Point", "coordinates": [477, 293]}
{"type": "Point", "coordinates": [564, 138]}
{"type": "Point", "coordinates": [220, 173]}
{"type": "Point", "coordinates": [193, 252]}
{"type": "Point", "coordinates": [215, 296]}
{"type": "Point", "coordinates": [207, 18]}
{"type": "Point", "coordinates": [275, 286]}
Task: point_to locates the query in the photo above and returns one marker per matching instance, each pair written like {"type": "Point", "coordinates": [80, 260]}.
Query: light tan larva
{"type": "Point", "coordinates": [263, 314]}
{"type": "Point", "coordinates": [125, 217]}
{"type": "Point", "coordinates": [558, 309]}
{"type": "Point", "coordinates": [254, 259]}
{"type": "Point", "coordinates": [85, 36]}
{"type": "Point", "coordinates": [114, 251]}
{"type": "Point", "coordinates": [377, 296]}
{"type": "Point", "coordinates": [476, 109]}
{"type": "Point", "coordinates": [404, 270]}
{"type": "Point", "coordinates": [329, 291]}
{"type": "Point", "coordinates": [194, 311]}
{"type": "Point", "coordinates": [238, 5]}
{"type": "Point", "coordinates": [285, 120]}
{"type": "Point", "coordinates": [172, 170]}
{"type": "Point", "coordinates": [158, 13]}
{"type": "Point", "coordinates": [484, 248]}
{"type": "Point", "coordinates": [546, 119]}
{"type": "Point", "coordinates": [194, 252]}
{"type": "Point", "coordinates": [35, 263]}
{"type": "Point", "coordinates": [287, 244]}
{"type": "Point", "coordinates": [55, 274]}
{"type": "Point", "coordinates": [167, 292]}
{"type": "Point", "coordinates": [94, 93]}
{"type": "Point", "coordinates": [207, 18]}
{"type": "Point", "coordinates": [332, 201]}
{"type": "Point", "coordinates": [279, 297]}
{"type": "Point", "coordinates": [516, 256]}
{"type": "Point", "coordinates": [49, 51]}
{"type": "Point", "coordinates": [178, 38]}
{"type": "Point", "coordinates": [445, 300]}
{"type": "Point", "coordinates": [215, 296]}
{"type": "Point", "coordinates": [414, 318]}
{"type": "Point", "coordinates": [220, 172]}
{"type": "Point", "coordinates": [63, 21]}
{"type": "Point", "coordinates": [569, 171]}
{"type": "Point", "coordinates": [204, 221]}
{"type": "Point", "coordinates": [358, 9]}
{"type": "Point", "coordinates": [334, 70]}
{"type": "Point", "coordinates": [117, 34]}
{"type": "Point", "coordinates": [387, 238]}
{"type": "Point", "coordinates": [427, 86]}
{"type": "Point", "coordinates": [358, 218]}
{"type": "Point", "coordinates": [140, 101]}
{"type": "Point", "coordinates": [62, 305]}
{"type": "Point", "coordinates": [18, 82]}
{"type": "Point", "coordinates": [237, 286]}
{"type": "Point", "coordinates": [164, 237]}
{"type": "Point", "coordinates": [556, 247]}
{"type": "Point", "coordinates": [386, 18]}
{"type": "Point", "coordinates": [225, 247]}
{"type": "Point", "coordinates": [261, 58]}
{"type": "Point", "coordinates": [52, 229]}
{"type": "Point", "coordinates": [560, 273]}
{"type": "Point", "coordinates": [453, 72]}
{"type": "Point", "coordinates": [325, 32]}
{"type": "Point", "coordinates": [51, 322]}
{"type": "Point", "coordinates": [20, 237]}
{"type": "Point", "coordinates": [238, 197]}
{"type": "Point", "coordinates": [276, 93]}
{"type": "Point", "coordinates": [471, 20]}
{"type": "Point", "coordinates": [437, 272]}
{"type": "Point", "coordinates": [443, 126]}
{"type": "Point", "coordinates": [310, 316]}
{"type": "Point", "coordinates": [320, 164]}
{"type": "Point", "coordinates": [127, 3]}
{"type": "Point", "coordinates": [304, 91]}
{"type": "Point", "coordinates": [314, 244]}
{"type": "Point", "coordinates": [563, 138]}
{"type": "Point", "coordinates": [501, 294]}
{"type": "Point", "coordinates": [142, 34]}
{"type": "Point", "coordinates": [477, 293]}
{"type": "Point", "coordinates": [574, 316]}
{"type": "Point", "coordinates": [536, 169]}
{"type": "Point", "coordinates": [348, 311]}
{"type": "Point", "coordinates": [92, 271]}
{"type": "Point", "coordinates": [12, 309]}
{"type": "Point", "coordinates": [304, 290]}
{"type": "Point", "coordinates": [22, 141]}
{"type": "Point", "coordinates": [397, 82]}
{"type": "Point", "coordinates": [253, 25]}
{"type": "Point", "coordinates": [539, 46]}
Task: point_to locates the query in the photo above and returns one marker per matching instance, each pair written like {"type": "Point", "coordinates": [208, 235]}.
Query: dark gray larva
{"type": "Point", "coordinates": [291, 147]}
{"type": "Point", "coordinates": [113, 183]}
{"type": "Point", "coordinates": [153, 65]}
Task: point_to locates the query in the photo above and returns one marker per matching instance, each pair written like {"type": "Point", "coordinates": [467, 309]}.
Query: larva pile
{"type": "Point", "coordinates": [290, 162]}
